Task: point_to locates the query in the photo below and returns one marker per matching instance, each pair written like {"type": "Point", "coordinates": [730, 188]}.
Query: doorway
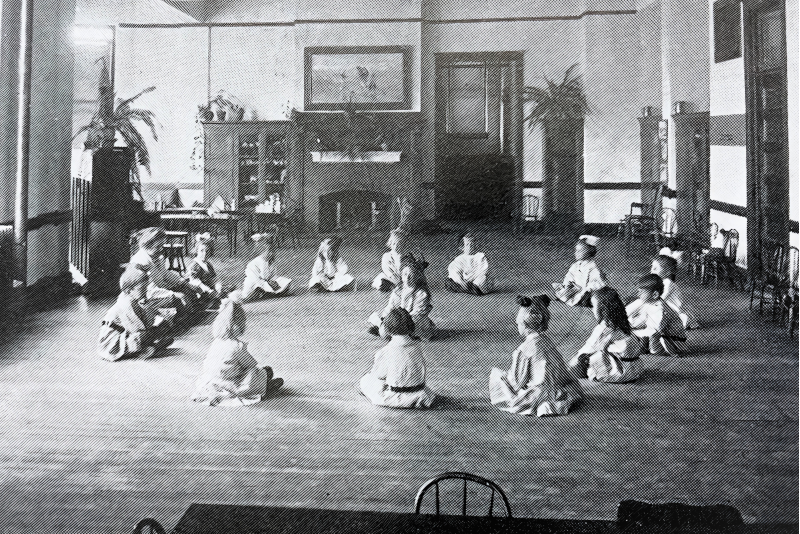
{"type": "Point", "coordinates": [767, 118]}
{"type": "Point", "coordinates": [478, 156]}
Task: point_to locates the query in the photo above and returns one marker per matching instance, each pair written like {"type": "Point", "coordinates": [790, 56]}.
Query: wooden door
{"type": "Point", "coordinates": [767, 118]}
{"type": "Point", "coordinates": [475, 166]}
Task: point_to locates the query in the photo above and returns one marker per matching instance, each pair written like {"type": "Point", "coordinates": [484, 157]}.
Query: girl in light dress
{"type": "Point", "coordinates": [259, 275]}
{"type": "Point", "coordinates": [538, 381]}
{"type": "Point", "coordinates": [329, 272]}
{"type": "Point", "coordinates": [583, 276]}
{"type": "Point", "coordinates": [469, 272]}
{"type": "Point", "coordinates": [128, 330]}
{"type": "Point", "coordinates": [611, 354]}
{"type": "Point", "coordinates": [230, 375]}
{"type": "Point", "coordinates": [665, 265]}
{"type": "Point", "coordinates": [389, 277]}
{"type": "Point", "coordinates": [413, 296]}
{"type": "Point", "coordinates": [201, 273]}
{"type": "Point", "coordinates": [397, 377]}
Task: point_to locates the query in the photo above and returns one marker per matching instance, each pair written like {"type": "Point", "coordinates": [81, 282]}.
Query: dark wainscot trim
{"type": "Point", "coordinates": [726, 207]}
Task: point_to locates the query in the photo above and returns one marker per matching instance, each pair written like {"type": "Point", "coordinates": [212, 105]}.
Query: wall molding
{"type": "Point", "coordinates": [53, 217]}
{"type": "Point", "coordinates": [611, 186]}
{"type": "Point", "coordinates": [726, 207]}
{"type": "Point", "coordinates": [420, 20]}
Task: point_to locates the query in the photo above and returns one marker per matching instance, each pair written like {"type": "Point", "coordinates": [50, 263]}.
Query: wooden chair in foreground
{"type": "Point", "coordinates": [664, 234]}
{"type": "Point", "coordinates": [638, 223]}
{"type": "Point", "coordinates": [725, 265]}
{"type": "Point", "coordinates": [148, 526]}
{"type": "Point", "coordinates": [464, 477]}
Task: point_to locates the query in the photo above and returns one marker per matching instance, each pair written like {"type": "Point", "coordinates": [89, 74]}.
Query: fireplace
{"type": "Point", "coordinates": [354, 210]}
{"type": "Point", "coordinates": [353, 167]}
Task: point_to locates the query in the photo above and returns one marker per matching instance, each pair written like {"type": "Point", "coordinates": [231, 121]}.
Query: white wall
{"type": "Point", "coordinates": [792, 54]}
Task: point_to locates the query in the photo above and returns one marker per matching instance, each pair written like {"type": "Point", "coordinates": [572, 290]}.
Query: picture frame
{"type": "Point", "coordinates": [357, 78]}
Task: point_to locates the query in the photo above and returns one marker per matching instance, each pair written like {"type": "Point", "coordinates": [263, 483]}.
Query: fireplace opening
{"type": "Point", "coordinates": [354, 210]}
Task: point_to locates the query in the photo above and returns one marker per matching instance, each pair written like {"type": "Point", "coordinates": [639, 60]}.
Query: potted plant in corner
{"type": "Point", "coordinates": [116, 203]}
{"type": "Point", "coordinates": [559, 109]}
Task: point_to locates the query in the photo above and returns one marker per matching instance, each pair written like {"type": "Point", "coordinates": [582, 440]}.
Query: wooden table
{"type": "Point", "coordinates": [232, 519]}
{"type": "Point", "coordinates": [194, 222]}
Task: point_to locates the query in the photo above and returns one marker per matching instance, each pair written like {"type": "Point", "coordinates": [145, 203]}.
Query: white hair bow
{"type": "Point", "coordinates": [205, 236]}
{"type": "Point", "coordinates": [676, 255]}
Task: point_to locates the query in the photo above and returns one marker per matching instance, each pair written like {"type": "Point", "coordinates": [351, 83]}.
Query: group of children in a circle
{"type": "Point", "coordinates": [538, 381]}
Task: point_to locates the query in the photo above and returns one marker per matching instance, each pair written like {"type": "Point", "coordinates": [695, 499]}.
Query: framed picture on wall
{"type": "Point", "coordinates": [369, 78]}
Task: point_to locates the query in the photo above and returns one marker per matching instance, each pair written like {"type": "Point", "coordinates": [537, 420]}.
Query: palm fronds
{"type": "Point", "coordinates": [563, 100]}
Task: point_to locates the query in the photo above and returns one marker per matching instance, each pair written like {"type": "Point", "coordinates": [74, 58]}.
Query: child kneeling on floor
{"type": "Point", "coordinates": [413, 296]}
{"type": "Point", "coordinates": [583, 276]}
{"type": "Point", "coordinates": [230, 375]}
{"type": "Point", "coordinates": [259, 275]}
{"type": "Point", "coordinates": [611, 354]}
{"type": "Point", "coordinates": [397, 378]}
{"type": "Point", "coordinates": [128, 330]}
{"type": "Point", "coordinates": [329, 272]}
{"type": "Point", "coordinates": [389, 277]}
{"type": "Point", "coordinates": [654, 321]}
{"type": "Point", "coordinates": [538, 381]}
{"type": "Point", "coordinates": [469, 272]}
{"type": "Point", "coordinates": [202, 275]}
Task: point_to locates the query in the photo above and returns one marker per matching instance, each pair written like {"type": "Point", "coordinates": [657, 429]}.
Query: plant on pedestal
{"type": "Point", "coordinates": [559, 109]}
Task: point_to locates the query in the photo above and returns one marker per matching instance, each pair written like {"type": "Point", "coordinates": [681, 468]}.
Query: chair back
{"type": "Point", "coordinates": [641, 207]}
{"type": "Point", "coordinates": [148, 526]}
{"type": "Point", "coordinates": [776, 260]}
{"type": "Point", "coordinates": [793, 263]}
{"type": "Point", "coordinates": [668, 222]}
{"type": "Point", "coordinates": [732, 244]}
{"type": "Point", "coordinates": [530, 207]}
{"type": "Point", "coordinates": [464, 478]}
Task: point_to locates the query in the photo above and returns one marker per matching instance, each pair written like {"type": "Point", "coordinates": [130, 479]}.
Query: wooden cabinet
{"type": "Point", "coordinates": [245, 164]}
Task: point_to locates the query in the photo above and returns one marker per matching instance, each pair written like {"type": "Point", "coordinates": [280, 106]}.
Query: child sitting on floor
{"type": "Point", "coordinates": [413, 296]}
{"type": "Point", "coordinates": [127, 329]}
{"type": "Point", "coordinates": [665, 265]}
{"type": "Point", "coordinates": [389, 276]}
{"type": "Point", "coordinates": [583, 276]}
{"type": "Point", "coordinates": [538, 382]}
{"type": "Point", "coordinates": [201, 273]}
{"type": "Point", "coordinates": [231, 376]}
{"type": "Point", "coordinates": [469, 272]}
{"type": "Point", "coordinates": [654, 321]}
{"type": "Point", "coordinates": [259, 275]}
{"type": "Point", "coordinates": [397, 378]}
{"type": "Point", "coordinates": [167, 289]}
{"type": "Point", "coordinates": [611, 354]}
{"type": "Point", "coordinates": [329, 272]}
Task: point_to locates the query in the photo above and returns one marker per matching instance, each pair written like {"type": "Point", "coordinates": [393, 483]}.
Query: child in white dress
{"type": "Point", "coordinates": [259, 277]}
{"type": "Point", "coordinates": [128, 330]}
{"type": "Point", "coordinates": [230, 375]}
{"type": "Point", "coordinates": [666, 267]}
{"type": "Point", "coordinates": [469, 272]}
{"type": "Point", "coordinates": [167, 288]}
{"type": "Point", "coordinates": [654, 321]}
{"type": "Point", "coordinates": [329, 272]}
{"type": "Point", "coordinates": [397, 378]}
{"type": "Point", "coordinates": [413, 296]}
{"type": "Point", "coordinates": [611, 354]}
{"type": "Point", "coordinates": [538, 382]}
{"type": "Point", "coordinates": [389, 276]}
{"type": "Point", "coordinates": [583, 276]}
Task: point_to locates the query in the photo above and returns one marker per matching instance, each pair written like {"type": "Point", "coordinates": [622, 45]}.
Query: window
{"type": "Point", "coordinates": [727, 30]}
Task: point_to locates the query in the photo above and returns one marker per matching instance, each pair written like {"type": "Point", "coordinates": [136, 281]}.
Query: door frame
{"type": "Point", "coordinates": [515, 116]}
{"type": "Point", "coordinates": [755, 232]}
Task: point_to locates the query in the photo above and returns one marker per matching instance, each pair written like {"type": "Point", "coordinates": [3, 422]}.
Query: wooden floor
{"type": "Point", "coordinates": [90, 446]}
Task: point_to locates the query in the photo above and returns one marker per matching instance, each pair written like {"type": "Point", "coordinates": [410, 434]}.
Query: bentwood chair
{"type": "Point", "coordinates": [148, 526]}
{"type": "Point", "coordinates": [771, 278]}
{"type": "Point", "coordinates": [664, 234]}
{"type": "Point", "coordinates": [638, 223]}
{"type": "Point", "coordinates": [789, 302]}
{"type": "Point", "coordinates": [464, 478]}
{"type": "Point", "coordinates": [725, 265]}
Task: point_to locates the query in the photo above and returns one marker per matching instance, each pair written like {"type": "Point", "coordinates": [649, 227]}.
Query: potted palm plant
{"type": "Point", "coordinates": [101, 132]}
{"type": "Point", "coordinates": [559, 108]}
{"type": "Point", "coordinates": [116, 203]}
